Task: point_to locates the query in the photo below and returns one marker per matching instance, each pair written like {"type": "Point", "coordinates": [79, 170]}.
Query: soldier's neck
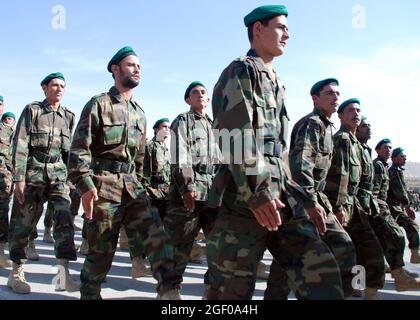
{"type": "Point", "coordinates": [54, 105]}
{"type": "Point", "coordinates": [126, 93]}
{"type": "Point", "coordinates": [267, 58]}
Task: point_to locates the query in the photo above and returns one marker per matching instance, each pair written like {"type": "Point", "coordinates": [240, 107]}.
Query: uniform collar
{"type": "Point", "coordinates": [199, 115]}
{"type": "Point", "coordinates": [351, 135]}
{"type": "Point", "coordinates": [114, 93]}
{"type": "Point", "coordinates": [47, 107]}
{"type": "Point", "coordinates": [260, 63]}
{"type": "Point", "coordinates": [322, 116]}
{"type": "Point", "coordinates": [383, 162]}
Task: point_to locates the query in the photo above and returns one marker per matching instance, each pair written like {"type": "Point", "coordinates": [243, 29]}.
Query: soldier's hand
{"type": "Point", "coordinates": [189, 200]}
{"type": "Point", "coordinates": [319, 217]}
{"type": "Point", "coordinates": [20, 191]}
{"type": "Point", "coordinates": [411, 214]}
{"type": "Point", "coordinates": [341, 216]}
{"type": "Point", "coordinates": [87, 202]}
{"type": "Point", "coordinates": [268, 215]}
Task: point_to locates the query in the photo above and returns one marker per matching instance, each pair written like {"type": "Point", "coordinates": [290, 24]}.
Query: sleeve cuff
{"type": "Point", "coordinates": [18, 178]}
{"type": "Point", "coordinates": [259, 198]}
{"type": "Point", "coordinates": [85, 185]}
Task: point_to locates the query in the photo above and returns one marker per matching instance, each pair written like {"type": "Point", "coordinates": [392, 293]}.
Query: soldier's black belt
{"type": "Point", "coordinates": [320, 186]}
{"type": "Point", "coordinates": [45, 158]}
{"type": "Point", "coordinates": [352, 190]}
{"type": "Point", "coordinates": [114, 166]}
{"type": "Point", "coordinates": [366, 186]}
{"type": "Point", "coordinates": [272, 149]}
{"type": "Point", "coordinates": [204, 168]}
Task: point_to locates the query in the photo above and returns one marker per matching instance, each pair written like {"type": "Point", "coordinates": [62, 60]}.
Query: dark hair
{"type": "Point", "coordinates": [251, 28]}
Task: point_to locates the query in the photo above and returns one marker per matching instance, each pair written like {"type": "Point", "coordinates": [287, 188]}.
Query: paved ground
{"type": "Point", "coordinates": [121, 286]}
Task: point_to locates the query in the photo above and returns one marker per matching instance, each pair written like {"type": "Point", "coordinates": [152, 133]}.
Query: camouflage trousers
{"type": "Point", "coordinates": [410, 226]}
{"type": "Point", "coordinates": [183, 228]}
{"type": "Point", "coordinates": [340, 244]}
{"type": "Point", "coordinates": [24, 218]}
{"type": "Point", "coordinates": [390, 236]}
{"type": "Point", "coordinates": [6, 190]}
{"type": "Point", "coordinates": [48, 217]}
{"type": "Point", "coordinates": [161, 206]}
{"type": "Point", "coordinates": [237, 243]}
{"type": "Point", "coordinates": [368, 248]}
{"type": "Point", "coordinates": [144, 229]}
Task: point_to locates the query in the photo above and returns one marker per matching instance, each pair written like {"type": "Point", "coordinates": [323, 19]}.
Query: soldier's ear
{"type": "Point", "coordinates": [114, 69]}
{"type": "Point", "coordinates": [44, 88]}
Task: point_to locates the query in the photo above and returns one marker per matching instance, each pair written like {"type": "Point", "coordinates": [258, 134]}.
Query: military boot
{"type": "Point", "coordinates": [197, 253]}
{"type": "Point", "coordinates": [415, 257]}
{"type": "Point", "coordinates": [64, 280]}
{"type": "Point", "coordinates": [47, 236]}
{"type": "Point", "coordinates": [262, 273]}
{"type": "Point", "coordinates": [371, 294]}
{"type": "Point", "coordinates": [411, 274]}
{"type": "Point", "coordinates": [84, 247]}
{"type": "Point", "coordinates": [123, 239]}
{"type": "Point", "coordinates": [31, 251]}
{"type": "Point", "coordinates": [4, 262]}
{"type": "Point", "coordinates": [403, 281]}
{"type": "Point", "coordinates": [170, 295]}
{"type": "Point", "coordinates": [17, 281]}
{"type": "Point", "coordinates": [140, 268]}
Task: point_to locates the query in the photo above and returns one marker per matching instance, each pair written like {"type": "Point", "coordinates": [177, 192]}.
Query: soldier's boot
{"type": "Point", "coordinates": [411, 274]}
{"type": "Point", "coordinates": [48, 236]}
{"type": "Point", "coordinates": [4, 262]}
{"type": "Point", "coordinates": [84, 247]}
{"type": "Point", "coordinates": [17, 281]}
{"type": "Point", "coordinates": [173, 294]}
{"type": "Point", "coordinates": [64, 280]}
{"type": "Point", "coordinates": [403, 281]}
{"type": "Point", "coordinates": [140, 268]}
{"type": "Point", "coordinates": [31, 251]}
{"type": "Point", "coordinates": [76, 228]}
{"type": "Point", "coordinates": [262, 273]}
{"type": "Point", "coordinates": [123, 240]}
{"type": "Point", "coordinates": [415, 257]}
{"type": "Point", "coordinates": [371, 294]}
{"type": "Point", "coordinates": [197, 252]}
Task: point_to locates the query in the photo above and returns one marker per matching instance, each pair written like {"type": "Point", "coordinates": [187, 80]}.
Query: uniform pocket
{"type": "Point", "coordinates": [113, 132]}
{"type": "Point", "coordinates": [40, 138]}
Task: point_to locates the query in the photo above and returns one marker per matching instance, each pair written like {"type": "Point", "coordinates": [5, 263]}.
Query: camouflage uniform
{"type": "Point", "coordinates": [157, 174]}
{"type": "Point", "coordinates": [387, 230]}
{"type": "Point", "coordinates": [6, 179]}
{"type": "Point", "coordinates": [194, 153]}
{"type": "Point", "coordinates": [248, 102]}
{"type": "Point", "coordinates": [40, 150]}
{"type": "Point", "coordinates": [107, 152]}
{"type": "Point", "coordinates": [310, 158]}
{"type": "Point", "coordinates": [398, 201]}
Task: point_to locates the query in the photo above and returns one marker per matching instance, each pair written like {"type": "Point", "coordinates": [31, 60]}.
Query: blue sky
{"type": "Point", "coordinates": [372, 47]}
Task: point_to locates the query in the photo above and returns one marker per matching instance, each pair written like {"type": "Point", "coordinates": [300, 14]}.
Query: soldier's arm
{"type": "Point", "coordinates": [302, 159]}
{"type": "Point", "coordinates": [182, 164]}
{"type": "Point", "coordinates": [139, 160]}
{"type": "Point", "coordinates": [80, 158]}
{"type": "Point", "coordinates": [377, 178]}
{"type": "Point", "coordinates": [234, 110]}
{"type": "Point", "coordinates": [147, 166]}
{"type": "Point", "coordinates": [396, 186]}
{"type": "Point", "coordinates": [21, 142]}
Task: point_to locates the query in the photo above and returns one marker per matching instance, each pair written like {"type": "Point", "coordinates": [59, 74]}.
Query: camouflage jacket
{"type": "Point", "coordinates": [108, 147]}
{"type": "Point", "coordinates": [344, 175]}
{"type": "Point", "coordinates": [194, 154]}
{"type": "Point", "coordinates": [157, 169]}
{"type": "Point", "coordinates": [365, 192]}
{"type": "Point", "coordinates": [397, 192]}
{"type": "Point", "coordinates": [41, 141]}
{"type": "Point", "coordinates": [6, 138]}
{"type": "Point", "coordinates": [250, 111]}
{"type": "Point", "coordinates": [310, 155]}
{"type": "Point", "coordinates": [381, 181]}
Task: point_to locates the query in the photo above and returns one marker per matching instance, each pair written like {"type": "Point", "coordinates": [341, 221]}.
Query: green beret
{"type": "Point", "coordinates": [264, 13]}
{"type": "Point", "coordinates": [8, 115]}
{"type": "Point", "coordinates": [382, 142]}
{"type": "Point", "coordinates": [316, 88]}
{"type": "Point", "coordinates": [397, 152]}
{"type": "Point", "coordinates": [56, 75]}
{"type": "Point", "coordinates": [159, 122]}
{"type": "Point", "coordinates": [192, 86]}
{"type": "Point", "coordinates": [346, 103]}
{"type": "Point", "coordinates": [121, 54]}
{"type": "Point", "coordinates": [1, 99]}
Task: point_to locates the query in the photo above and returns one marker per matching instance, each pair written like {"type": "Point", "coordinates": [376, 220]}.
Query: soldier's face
{"type": "Point", "coordinates": [199, 98]}
{"type": "Point", "coordinates": [351, 116]}
{"type": "Point", "coordinates": [54, 91]}
{"type": "Point", "coordinates": [400, 160]}
{"type": "Point", "coordinates": [384, 151]}
{"type": "Point", "coordinates": [364, 132]}
{"type": "Point", "coordinates": [327, 101]}
{"type": "Point", "coordinates": [272, 39]}
{"type": "Point", "coordinates": [9, 121]}
{"type": "Point", "coordinates": [128, 73]}
{"type": "Point", "coordinates": [163, 131]}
